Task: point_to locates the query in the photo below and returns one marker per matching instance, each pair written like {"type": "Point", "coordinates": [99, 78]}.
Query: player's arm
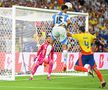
{"type": "Point", "coordinates": [52, 54]}
{"type": "Point", "coordinates": [76, 36]}
{"type": "Point", "coordinates": [40, 50]}
{"type": "Point", "coordinates": [69, 34]}
{"type": "Point", "coordinates": [68, 22]}
{"type": "Point", "coordinates": [102, 41]}
{"type": "Point", "coordinates": [53, 20]}
{"type": "Point", "coordinates": [52, 24]}
{"type": "Point", "coordinates": [38, 53]}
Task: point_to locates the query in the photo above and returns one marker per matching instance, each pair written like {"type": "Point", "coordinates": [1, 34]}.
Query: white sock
{"type": "Point", "coordinates": [65, 54]}
{"type": "Point", "coordinates": [49, 48]}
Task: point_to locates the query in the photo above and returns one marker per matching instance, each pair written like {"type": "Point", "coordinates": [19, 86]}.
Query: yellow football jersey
{"type": "Point", "coordinates": [85, 40]}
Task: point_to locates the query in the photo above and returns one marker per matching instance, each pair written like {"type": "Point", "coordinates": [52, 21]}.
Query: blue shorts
{"type": "Point", "coordinates": [86, 59]}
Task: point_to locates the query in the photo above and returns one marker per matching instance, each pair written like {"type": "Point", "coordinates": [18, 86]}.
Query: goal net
{"type": "Point", "coordinates": [23, 30]}
{"type": "Point", "coordinates": [7, 43]}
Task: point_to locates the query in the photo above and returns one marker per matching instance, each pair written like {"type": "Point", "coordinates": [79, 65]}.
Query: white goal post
{"type": "Point", "coordinates": [7, 45]}
{"type": "Point", "coordinates": [20, 27]}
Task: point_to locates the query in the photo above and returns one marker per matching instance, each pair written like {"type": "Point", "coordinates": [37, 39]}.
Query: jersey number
{"type": "Point", "coordinates": [86, 44]}
{"type": "Point", "coordinates": [59, 19]}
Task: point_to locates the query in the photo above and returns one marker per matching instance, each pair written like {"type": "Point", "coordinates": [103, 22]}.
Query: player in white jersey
{"type": "Point", "coordinates": [60, 21]}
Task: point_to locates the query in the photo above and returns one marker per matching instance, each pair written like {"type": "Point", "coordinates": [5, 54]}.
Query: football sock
{"type": "Point", "coordinates": [99, 75]}
{"type": "Point", "coordinates": [80, 68]}
{"type": "Point", "coordinates": [50, 68]}
{"type": "Point", "coordinates": [65, 56]}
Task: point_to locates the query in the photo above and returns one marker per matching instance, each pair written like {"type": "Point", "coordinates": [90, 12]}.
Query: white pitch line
{"type": "Point", "coordinates": [53, 88]}
{"type": "Point", "coordinates": [45, 78]}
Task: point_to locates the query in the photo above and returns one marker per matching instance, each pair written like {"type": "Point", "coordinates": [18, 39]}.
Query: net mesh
{"type": "Point", "coordinates": [5, 43]}
{"type": "Point", "coordinates": [37, 24]}
{"type": "Point", "coordinates": [31, 27]}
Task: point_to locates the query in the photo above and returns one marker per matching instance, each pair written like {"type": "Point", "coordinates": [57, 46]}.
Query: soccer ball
{"type": "Point", "coordinates": [69, 5]}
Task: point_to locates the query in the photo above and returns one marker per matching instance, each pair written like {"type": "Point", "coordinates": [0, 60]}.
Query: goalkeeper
{"type": "Point", "coordinates": [41, 55]}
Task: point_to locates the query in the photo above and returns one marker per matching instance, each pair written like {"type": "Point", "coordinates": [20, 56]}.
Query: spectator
{"type": "Point", "coordinates": [100, 43]}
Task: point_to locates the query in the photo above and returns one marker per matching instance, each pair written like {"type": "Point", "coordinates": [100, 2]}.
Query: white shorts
{"type": "Point", "coordinates": [59, 32]}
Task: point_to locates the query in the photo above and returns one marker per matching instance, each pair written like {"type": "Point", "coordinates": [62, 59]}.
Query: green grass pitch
{"type": "Point", "coordinates": [56, 83]}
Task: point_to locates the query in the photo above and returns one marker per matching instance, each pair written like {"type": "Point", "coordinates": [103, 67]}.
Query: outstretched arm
{"type": "Point", "coordinates": [69, 34]}
{"type": "Point", "coordinates": [40, 50]}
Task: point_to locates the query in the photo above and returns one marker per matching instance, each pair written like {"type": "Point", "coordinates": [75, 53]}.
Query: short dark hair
{"type": "Point", "coordinates": [82, 28]}
{"type": "Point", "coordinates": [48, 35]}
{"type": "Point", "coordinates": [63, 7]}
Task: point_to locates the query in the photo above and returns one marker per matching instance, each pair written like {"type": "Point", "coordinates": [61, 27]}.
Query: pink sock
{"type": "Point", "coordinates": [50, 68]}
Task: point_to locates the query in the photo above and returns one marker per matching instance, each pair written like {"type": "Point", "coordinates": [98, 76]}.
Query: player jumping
{"type": "Point", "coordinates": [86, 56]}
{"type": "Point", "coordinates": [60, 22]}
{"type": "Point", "coordinates": [41, 55]}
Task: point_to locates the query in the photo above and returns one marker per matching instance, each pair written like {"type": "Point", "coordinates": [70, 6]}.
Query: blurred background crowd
{"type": "Point", "coordinates": [97, 9]}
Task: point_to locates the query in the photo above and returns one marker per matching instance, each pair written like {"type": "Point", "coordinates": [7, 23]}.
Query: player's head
{"type": "Point", "coordinates": [49, 39]}
{"type": "Point", "coordinates": [82, 29]}
{"type": "Point", "coordinates": [64, 8]}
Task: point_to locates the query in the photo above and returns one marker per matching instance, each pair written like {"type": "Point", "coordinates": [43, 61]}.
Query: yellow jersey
{"type": "Point", "coordinates": [85, 40]}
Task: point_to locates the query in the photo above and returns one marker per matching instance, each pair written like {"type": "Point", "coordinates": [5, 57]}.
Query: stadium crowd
{"type": "Point", "coordinates": [97, 9]}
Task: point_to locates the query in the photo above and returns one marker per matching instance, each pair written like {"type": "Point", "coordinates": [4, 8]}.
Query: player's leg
{"type": "Point", "coordinates": [80, 68]}
{"type": "Point", "coordinates": [34, 70]}
{"type": "Point", "coordinates": [79, 65]}
{"type": "Point", "coordinates": [98, 73]}
{"type": "Point", "coordinates": [83, 69]}
{"type": "Point", "coordinates": [39, 62]}
{"type": "Point", "coordinates": [65, 55]}
{"type": "Point", "coordinates": [63, 40]}
{"type": "Point", "coordinates": [50, 69]}
{"type": "Point", "coordinates": [100, 77]}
